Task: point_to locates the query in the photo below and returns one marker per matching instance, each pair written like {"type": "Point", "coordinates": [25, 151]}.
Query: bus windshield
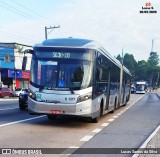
{"type": "Point", "coordinates": [61, 73]}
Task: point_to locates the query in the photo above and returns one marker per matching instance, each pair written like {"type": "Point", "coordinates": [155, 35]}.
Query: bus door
{"type": "Point", "coordinates": [104, 83]}
{"type": "Point", "coordinates": [123, 93]}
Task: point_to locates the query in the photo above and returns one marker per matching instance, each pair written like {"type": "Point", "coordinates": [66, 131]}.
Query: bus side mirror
{"type": "Point", "coordinates": [28, 51]}
{"type": "Point", "coordinates": [24, 63]}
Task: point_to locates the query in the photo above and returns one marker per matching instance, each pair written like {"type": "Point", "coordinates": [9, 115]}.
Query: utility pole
{"type": "Point", "coordinates": [151, 76]}
{"type": "Point", "coordinates": [52, 28]}
{"type": "Point", "coordinates": [152, 45]}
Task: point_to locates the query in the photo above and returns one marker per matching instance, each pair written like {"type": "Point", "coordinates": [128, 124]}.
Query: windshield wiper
{"type": "Point", "coordinates": [71, 89]}
{"type": "Point", "coordinates": [41, 89]}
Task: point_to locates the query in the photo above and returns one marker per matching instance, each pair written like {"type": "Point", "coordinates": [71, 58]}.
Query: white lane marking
{"type": "Point", "coordinates": [118, 114]}
{"type": "Point", "coordinates": [110, 120]}
{"type": "Point", "coordinates": [73, 147]}
{"type": "Point", "coordinates": [148, 140]}
{"type": "Point", "coordinates": [86, 138]}
{"type": "Point", "coordinates": [19, 121]}
{"type": "Point", "coordinates": [3, 109]}
{"type": "Point", "coordinates": [4, 100]}
{"type": "Point", "coordinates": [137, 100]}
{"type": "Point", "coordinates": [96, 130]}
{"type": "Point", "coordinates": [105, 124]}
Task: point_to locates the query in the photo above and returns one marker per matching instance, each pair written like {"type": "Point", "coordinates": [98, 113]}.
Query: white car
{"type": "Point", "coordinates": [19, 91]}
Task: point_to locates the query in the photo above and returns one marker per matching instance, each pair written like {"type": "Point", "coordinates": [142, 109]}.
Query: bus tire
{"type": "Point", "coordinates": [114, 106]}
{"type": "Point", "coordinates": [125, 103]}
{"type": "Point", "coordinates": [51, 117]}
{"type": "Point", "coordinates": [95, 120]}
{"type": "Point", "coordinates": [22, 106]}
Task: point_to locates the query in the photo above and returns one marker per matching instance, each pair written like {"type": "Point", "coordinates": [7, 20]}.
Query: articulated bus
{"type": "Point", "coordinates": [76, 77]}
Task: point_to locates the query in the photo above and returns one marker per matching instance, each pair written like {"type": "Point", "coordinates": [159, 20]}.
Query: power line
{"type": "Point", "coordinates": [24, 14]}
{"type": "Point", "coordinates": [30, 42]}
{"type": "Point", "coordinates": [39, 16]}
{"type": "Point", "coordinates": [28, 38]}
{"type": "Point", "coordinates": [13, 9]}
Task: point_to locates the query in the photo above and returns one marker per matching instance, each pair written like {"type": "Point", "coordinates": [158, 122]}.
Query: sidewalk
{"type": "Point", "coordinates": [153, 141]}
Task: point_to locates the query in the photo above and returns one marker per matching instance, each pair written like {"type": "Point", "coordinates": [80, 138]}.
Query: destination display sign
{"type": "Point", "coordinates": [85, 55]}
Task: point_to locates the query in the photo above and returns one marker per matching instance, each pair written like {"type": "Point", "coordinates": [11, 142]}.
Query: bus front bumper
{"type": "Point", "coordinates": [79, 109]}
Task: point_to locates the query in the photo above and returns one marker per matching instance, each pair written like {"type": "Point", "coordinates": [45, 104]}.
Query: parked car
{"type": "Point", "coordinates": [19, 91]}
{"type": "Point", "coordinates": [23, 100]}
{"type": "Point", "coordinates": [133, 89]}
{"type": "Point", "coordinates": [4, 91]}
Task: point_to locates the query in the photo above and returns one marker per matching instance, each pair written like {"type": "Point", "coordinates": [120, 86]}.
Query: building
{"type": "Point", "coordinates": [11, 73]}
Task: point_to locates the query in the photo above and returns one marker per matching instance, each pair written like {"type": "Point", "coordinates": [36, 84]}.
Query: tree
{"type": "Point", "coordinates": [130, 62]}
{"type": "Point", "coordinates": [153, 69]}
{"type": "Point", "coordinates": [153, 59]}
{"type": "Point", "coordinates": [142, 71]}
{"type": "Point", "coordinates": [19, 49]}
{"type": "Point", "coordinates": [119, 58]}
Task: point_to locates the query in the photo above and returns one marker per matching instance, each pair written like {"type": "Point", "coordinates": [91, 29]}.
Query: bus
{"type": "Point", "coordinates": [75, 77]}
{"type": "Point", "coordinates": [141, 87]}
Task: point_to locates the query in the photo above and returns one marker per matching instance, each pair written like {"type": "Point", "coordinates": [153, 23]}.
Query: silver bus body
{"type": "Point", "coordinates": [101, 94]}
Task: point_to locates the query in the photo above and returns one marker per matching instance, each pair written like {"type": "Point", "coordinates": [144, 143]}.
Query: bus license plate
{"type": "Point", "coordinates": [56, 111]}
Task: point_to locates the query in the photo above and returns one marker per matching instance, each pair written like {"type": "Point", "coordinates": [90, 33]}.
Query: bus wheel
{"type": "Point", "coordinates": [51, 117]}
{"type": "Point", "coordinates": [114, 106]}
{"type": "Point", "coordinates": [125, 103]}
{"type": "Point", "coordinates": [95, 120]}
{"type": "Point", "coordinates": [22, 106]}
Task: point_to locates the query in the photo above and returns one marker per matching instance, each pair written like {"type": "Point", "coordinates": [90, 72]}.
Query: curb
{"type": "Point", "coordinates": [158, 94]}
{"type": "Point", "coordinates": [144, 145]}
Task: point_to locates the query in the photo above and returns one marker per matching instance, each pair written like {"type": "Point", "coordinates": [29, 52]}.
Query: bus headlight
{"type": "Point", "coordinates": [84, 97]}
{"type": "Point", "coordinates": [32, 95]}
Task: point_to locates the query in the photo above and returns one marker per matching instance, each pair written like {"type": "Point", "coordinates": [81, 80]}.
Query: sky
{"type": "Point", "coordinates": [117, 25]}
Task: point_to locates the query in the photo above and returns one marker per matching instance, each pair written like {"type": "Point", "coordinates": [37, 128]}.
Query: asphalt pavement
{"type": "Point", "coordinates": [153, 141]}
{"type": "Point", "coordinates": [134, 129]}
{"type": "Point", "coordinates": [142, 124]}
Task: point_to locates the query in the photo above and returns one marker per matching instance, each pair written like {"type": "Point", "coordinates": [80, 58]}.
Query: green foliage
{"type": "Point", "coordinates": [143, 70]}
{"type": "Point", "coordinates": [119, 58]}
{"type": "Point", "coordinates": [20, 49]}
{"type": "Point", "coordinates": [153, 59]}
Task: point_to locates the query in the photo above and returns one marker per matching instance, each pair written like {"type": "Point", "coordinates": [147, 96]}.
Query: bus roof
{"type": "Point", "coordinates": [79, 43]}
{"type": "Point", "coordinates": [69, 42]}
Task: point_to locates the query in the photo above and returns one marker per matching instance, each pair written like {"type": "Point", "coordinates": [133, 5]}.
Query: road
{"type": "Point", "coordinates": [128, 126]}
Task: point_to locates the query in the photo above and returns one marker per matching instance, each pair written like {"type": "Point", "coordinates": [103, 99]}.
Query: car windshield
{"type": "Point", "coordinates": [18, 89]}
